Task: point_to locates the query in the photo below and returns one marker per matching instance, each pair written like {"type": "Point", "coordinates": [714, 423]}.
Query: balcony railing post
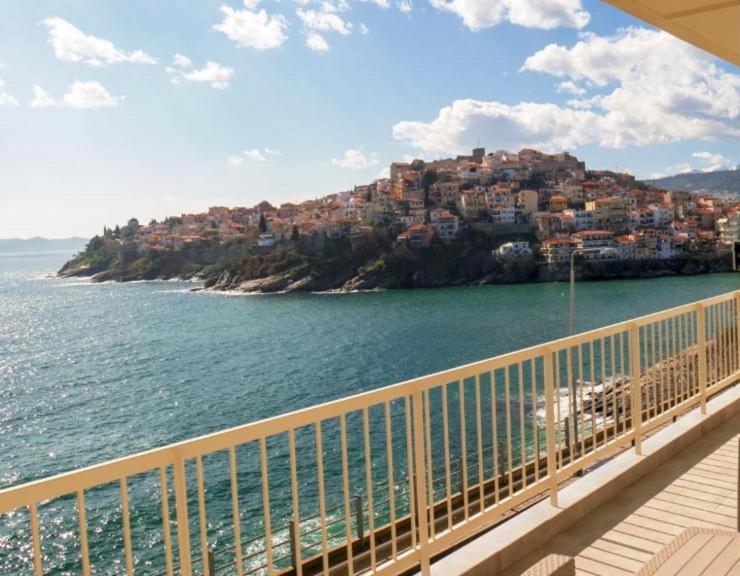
{"type": "Point", "coordinates": [701, 346]}
{"type": "Point", "coordinates": [737, 330]}
{"type": "Point", "coordinates": [359, 521]}
{"type": "Point", "coordinates": [550, 424]}
{"type": "Point", "coordinates": [181, 507]}
{"type": "Point", "coordinates": [421, 475]}
{"type": "Point", "coordinates": [211, 562]}
{"type": "Point", "coordinates": [295, 550]}
{"type": "Point", "coordinates": [636, 387]}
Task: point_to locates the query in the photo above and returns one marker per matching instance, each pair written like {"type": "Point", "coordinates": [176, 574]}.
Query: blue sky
{"type": "Point", "coordinates": [100, 121]}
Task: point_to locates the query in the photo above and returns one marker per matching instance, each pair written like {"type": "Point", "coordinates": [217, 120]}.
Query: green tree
{"type": "Point", "coordinates": [418, 165]}
{"type": "Point", "coordinates": [294, 234]}
{"type": "Point", "coordinates": [263, 224]}
{"type": "Point", "coordinates": [117, 232]}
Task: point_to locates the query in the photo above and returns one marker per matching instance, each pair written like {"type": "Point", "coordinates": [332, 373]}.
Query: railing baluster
{"type": "Point", "coordinates": [38, 562]}
{"type": "Point", "coordinates": [464, 449]}
{"type": "Point", "coordinates": [166, 533]}
{"type": "Point", "coordinates": [345, 489]}
{"type": "Point", "coordinates": [479, 429]}
{"type": "Point", "coordinates": [737, 332]}
{"type": "Point", "coordinates": [410, 470]}
{"type": "Point", "coordinates": [369, 486]}
{"type": "Point", "coordinates": [535, 426]}
{"type": "Point", "coordinates": [126, 520]}
{"type": "Point", "coordinates": [82, 525]}
{"type": "Point", "coordinates": [550, 423]}
{"type": "Point", "coordinates": [636, 387]}
{"type": "Point", "coordinates": [294, 502]}
{"type": "Point", "coordinates": [202, 517]}
{"type": "Point", "coordinates": [391, 481]}
{"type": "Point", "coordinates": [266, 504]}
{"type": "Point", "coordinates": [322, 496]}
{"type": "Point", "coordinates": [615, 397]}
{"type": "Point", "coordinates": [494, 439]}
{"type": "Point", "coordinates": [522, 428]}
{"type": "Point", "coordinates": [448, 462]}
{"type": "Point", "coordinates": [429, 473]}
{"type": "Point", "coordinates": [507, 407]}
{"type": "Point", "coordinates": [592, 377]}
{"type": "Point", "coordinates": [702, 352]}
{"type": "Point", "coordinates": [235, 514]}
{"type": "Point", "coordinates": [421, 473]}
{"type": "Point", "coordinates": [561, 437]}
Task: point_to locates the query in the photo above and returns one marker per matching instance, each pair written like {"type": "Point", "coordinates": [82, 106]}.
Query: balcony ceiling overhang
{"type": "Point", "coordinates": [712, 25]}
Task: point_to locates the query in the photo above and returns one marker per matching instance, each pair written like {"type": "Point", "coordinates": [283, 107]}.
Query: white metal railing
{"type": "Point", "coordinates": [383, 481]}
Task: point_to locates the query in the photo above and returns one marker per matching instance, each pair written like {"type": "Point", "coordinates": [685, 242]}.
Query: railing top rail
{"type": "Point", "coordinates": [98, 474]}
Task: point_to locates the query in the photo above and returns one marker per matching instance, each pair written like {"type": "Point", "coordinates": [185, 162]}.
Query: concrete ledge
{"type": "Point", "coordinates": [494, 551]}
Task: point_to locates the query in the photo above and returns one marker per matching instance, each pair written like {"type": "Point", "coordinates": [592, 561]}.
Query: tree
{"type": "Point", "coordinates": [295, 234]}
{"type": "Point", "coordinates": [418, 165]}
{"type": "Point", "coordinates": [263, 224]}
{"type": "Point", "coordinates": [117, 231]}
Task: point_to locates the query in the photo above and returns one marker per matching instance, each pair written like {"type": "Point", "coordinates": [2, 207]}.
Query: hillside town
{"type": "Point", "coordinates": [548, 206]}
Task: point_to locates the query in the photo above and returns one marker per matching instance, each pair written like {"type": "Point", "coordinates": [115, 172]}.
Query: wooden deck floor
{"type": "Point", "coordinates": [696, 488]}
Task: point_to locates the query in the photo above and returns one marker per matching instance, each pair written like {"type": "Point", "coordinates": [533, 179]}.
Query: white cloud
{"type": "Point", "coordinates": [650, 88]}
{"type": "Point", "coordinates": [404, 6]}
{"type": "Point", "coordinates": [258, 30]}
{"type": "Point", "coordinates": [212, 73]}
{"type": "Point", "coordinates": [353, 159]}
{"type": "Point", "coordinates": [460, 125]}
{"type": "Point", "coordinates": [182, 61]}
{"type": "Point", "coordinates": [570, 87]}
{"type": "Point", "coordinates": [380, 3]}
{"type": "Point", "coordinates": [253, 155]}
{"type": "Point", "coordinates": [41, 98]}
{"type": "Point", "coordinates": [72, 45]}
{"type": "Point", "coordinates": [364, 29]}
{"type": "Point", "coordinates": [5, 98]}
{"type": "Point", "coordinates": [545, 14]}
{"type": "Point", "coordinates": [324, 22]}
{"type": "Point", "coordinates": [83, 95]}
{"type": "Point", "coordinates": [711, 162]}
{"type": "Point", "coordinates": [316, 42]}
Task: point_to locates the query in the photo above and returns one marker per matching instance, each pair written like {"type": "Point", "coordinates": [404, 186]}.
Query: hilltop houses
{"type": "Point", "coordinates": [551, 197]}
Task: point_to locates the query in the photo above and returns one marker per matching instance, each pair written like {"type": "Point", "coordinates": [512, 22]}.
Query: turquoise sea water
{"type": "Point", "coordinates": [89, 372]}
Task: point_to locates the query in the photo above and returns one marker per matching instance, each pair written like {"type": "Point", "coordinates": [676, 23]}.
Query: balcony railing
{"type": "Point", "coordinates": [383, 481]}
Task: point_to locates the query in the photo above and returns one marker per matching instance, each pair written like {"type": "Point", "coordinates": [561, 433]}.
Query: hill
{"type": "Point", "coordinates": [37, 244]}
{"type": "Point", "coordinates": [722, 181]}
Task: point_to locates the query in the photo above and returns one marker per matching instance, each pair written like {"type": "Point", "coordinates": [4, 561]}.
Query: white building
{"type": "Point", "coordinates": [582, 219]}
{"type": "Point", "coordinates": [517, 249]}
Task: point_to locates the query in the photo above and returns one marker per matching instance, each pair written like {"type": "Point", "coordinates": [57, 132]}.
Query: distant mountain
{"type": "Point", "coordinates": [37, 244]}
{"type": "Point", "coordinates": [721, 181]}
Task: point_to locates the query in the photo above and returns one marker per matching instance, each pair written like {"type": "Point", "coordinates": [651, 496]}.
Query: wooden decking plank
{"type": "Point", "coordinates": [696, 504]}
{"type": "Point", "coordinates": [662, 521]}
{"type": "Point", "coordinates": [594, 567]}
{"type": "Point", "coordinates": [628, 552]}
{"type": "Point", "coordinates": [644, 532]}
{"type": "Point", "coordinates": [610, 559]}
{"type": "Point", "coordinates": [716, 490]}
{"type": "Point", "coordinates": [695, 494]}
{"type": "Point", "coordinates": [642, 544]}
{"type": "Point", "coordinates": [692, 514]}
{"type": "Point", "coordinates": [678, 520]}
{"type": "Point", "coordinates": [683, 555]}
{"type": "Point", "coordinates": [726, 561]}
{"type": "Point", "coordinates": [704, 558]}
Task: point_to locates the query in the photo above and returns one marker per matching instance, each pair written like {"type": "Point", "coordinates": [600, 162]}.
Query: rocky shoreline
{"type": "Point", "coordinates": [224, 277]}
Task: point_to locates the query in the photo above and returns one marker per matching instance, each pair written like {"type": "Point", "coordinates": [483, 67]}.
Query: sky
{"type": "Point", "coordinates": [147, 108]}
